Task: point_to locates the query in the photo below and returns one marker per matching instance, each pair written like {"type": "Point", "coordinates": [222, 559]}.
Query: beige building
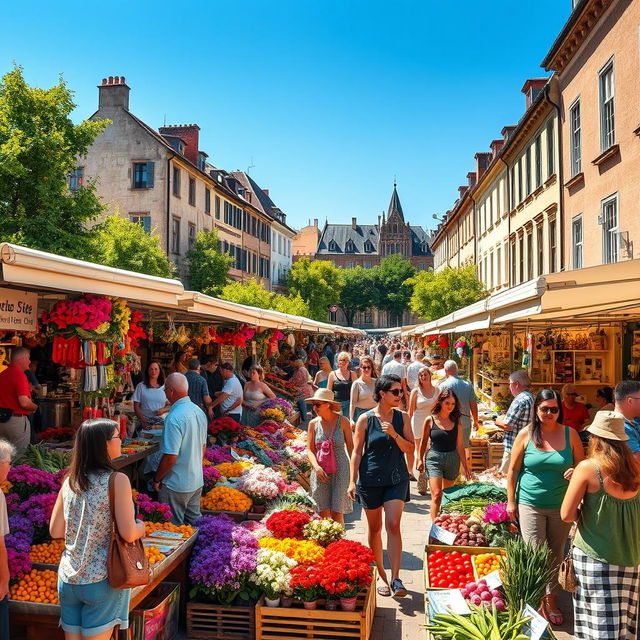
{"type": "Point", "coordinates": [305, 242]}
{"type": "Point", "coordinates": [596, 61]}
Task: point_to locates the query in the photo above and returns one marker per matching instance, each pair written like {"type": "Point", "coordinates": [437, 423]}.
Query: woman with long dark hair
{"type": "Point", "coordinates": [89, 606]}
{"type": "Point", "coordinates": [542, 460]}
{"type": "Point", "coordinates": [149, 400]}
{"type": "Point", "coordinates": [421, 400]}
{"type": "Point", "coordinates": [442, 436]}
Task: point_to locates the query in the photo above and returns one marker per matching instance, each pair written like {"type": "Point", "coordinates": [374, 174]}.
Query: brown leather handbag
{"type": "Point", "coordinates": [127, 565]}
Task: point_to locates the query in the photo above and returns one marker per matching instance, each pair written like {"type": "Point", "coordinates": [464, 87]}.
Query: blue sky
{"type": "Point", "coordinates": [328, 100]}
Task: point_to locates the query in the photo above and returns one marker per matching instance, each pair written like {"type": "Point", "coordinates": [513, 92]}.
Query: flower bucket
{"type": "Point", "coordinates": [331, 605]}
{"type": "Point", "coordinates": [310, 605]}
{"type": "Point", "coordinates": [272, 603]}
{"type": "Point", "coordinates": [348, 604]}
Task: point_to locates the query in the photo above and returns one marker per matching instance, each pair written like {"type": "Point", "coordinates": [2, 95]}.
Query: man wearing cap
{"type": "Point", "coordinates": [230, 398]}
{"type": "Point", "coordinates": [627, 397]}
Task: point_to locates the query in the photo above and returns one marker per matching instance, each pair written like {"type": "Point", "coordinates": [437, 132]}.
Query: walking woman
{"type": "Point", "coordinates": [423, 397]}
{"type": "Point", "coordinates": [322, 376]}
{"type": "Point", "coordinates": [606, 551]}
{"type": "Point", "coordinates": [443, 438]}
{"type": "Point", "coordinates": [89, 606]}
{"type": "Point", "coordinates": [380, 478]}
{"type": "Point", "coordinates": [329, 489]}
{"type": "Point", "coordinates": [362, 390]}
{"type": "Point", "coordinates": [542, 460]}
{"type": "Point", "coordinates": [340, 381]}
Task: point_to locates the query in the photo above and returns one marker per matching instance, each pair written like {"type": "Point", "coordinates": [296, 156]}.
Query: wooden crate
{"type": "Point", "coordinates": [495, 451]}
{"type": "Point", "coordinates": [298, 623]}
{"type": "Point", "coordinates": [304, 480]}
{"type": "Point", "coordinates": [478, 458]}
{"type": "Point", "coordinates": [218, 622]}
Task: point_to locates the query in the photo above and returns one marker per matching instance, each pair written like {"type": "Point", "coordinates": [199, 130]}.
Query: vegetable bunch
{"type": "Point", "coordinates": [465, 505]}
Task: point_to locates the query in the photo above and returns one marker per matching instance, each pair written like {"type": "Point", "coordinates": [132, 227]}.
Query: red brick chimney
{"type": "Point", "coordinates": [354, 223]}
{"type": "Point", "coordinates": [266, 192]}
{"type": "Point", "coordinates": [113, 92]}
{"type": "Point", "coordinates": [483, 159]}
{"type": "Point", "coordinates": [471, 177]}
{"type": "Point", "coordinates": [507, 131]}
{"type": "Point", "coordinates": [495, 146]}
{"type": "Point", "coordinates": [462, 190]}
{"type": "Point", "coordinates": [532, 89]}
{"type": "Point", "coordinates": [190, 134]}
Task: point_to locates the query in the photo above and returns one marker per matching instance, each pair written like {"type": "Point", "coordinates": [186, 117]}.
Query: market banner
{"type": "Point", "coordinates": [18, 310]}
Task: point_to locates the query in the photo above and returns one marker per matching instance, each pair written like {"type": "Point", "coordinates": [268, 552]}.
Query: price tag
{"type": "Point", "coordinates": [536, 627]}
{"type": "Point", "coordinates": [444, 536]}
{"type": "Point", "coordinates": [493, 579]}
{"type": "Point", "coordinates": [446, 601]}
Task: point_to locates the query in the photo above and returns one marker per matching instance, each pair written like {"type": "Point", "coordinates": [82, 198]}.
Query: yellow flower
{"type": "Point", "coordinates": [302, 551]}
{"type": "Point", "coordinates": [232, 469]}
{"type": "Point", "coordinates": [6, 486]}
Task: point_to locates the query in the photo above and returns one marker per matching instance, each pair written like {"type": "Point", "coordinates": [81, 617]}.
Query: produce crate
{"type": "Point", "coordinates": [218, 622]}
{"type": "Point", "coordinates": [298, 623]}
{"type": "Point", "coordinates": [478, 458]}
{"type": "Point", "coordinates": [495, 450]}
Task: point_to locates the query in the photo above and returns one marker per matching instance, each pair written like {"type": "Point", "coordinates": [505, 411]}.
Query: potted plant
{"type": "Point", "coordinates": [305, 585]}
{"type": "Point", "coordinates": [273, 574]}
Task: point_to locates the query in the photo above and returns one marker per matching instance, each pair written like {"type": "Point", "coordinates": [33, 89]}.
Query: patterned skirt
{"type": "Point", "coordinates": [606, 599]}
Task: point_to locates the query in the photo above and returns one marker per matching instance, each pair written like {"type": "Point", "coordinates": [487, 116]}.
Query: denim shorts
{"type": "Point", "coordinates": [90, 609]}
{"type": "Point", "coordinates": [375, 497]}
{"type": "Point", "coordinates": [443, 464]}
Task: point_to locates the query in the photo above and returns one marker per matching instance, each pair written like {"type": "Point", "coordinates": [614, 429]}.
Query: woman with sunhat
{"type": "Point", "coordinates": [606, 551]}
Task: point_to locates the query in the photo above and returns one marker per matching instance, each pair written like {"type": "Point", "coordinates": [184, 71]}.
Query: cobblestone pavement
{"type": "Point", "coordinates": [403, 619]}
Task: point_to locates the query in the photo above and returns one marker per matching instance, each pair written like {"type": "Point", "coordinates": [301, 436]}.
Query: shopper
{"type": "Point", "coordinates": [604, 399]}
{"type": "Point", "coordinates": [379, 471]}
{"type": "Point", "coordinates": [519, 414]}
{"type": "Point", "coordinates": [415, 368]}
{"type": "Point", "coordinates": [442, 438]}
{"type": "Point", "coordinates": [542, 460]}
{"type": "Point", "coordinates": [603, 498]}
{"type": "Point", "coordinates": [198, 388]}
{"type": "Point", "coordinates": [466, 397]}
{"type": "Point", "coordinates": [230, 398]}
{"type": "Point", "coordinates": [300, 379]}
{"type": "Point", "coordinates": [321, 378]}
{"type": "Point", "coordinates": [212, 373]}
{"type": "Point", "coordinates": [149, 400]}
{"type": "Point", "coordinates": [340, 381]}
{"type": "Point", "coordinates": [7, 451]}
{"type": "Point", "coordinates": [15, 401]}
{"type": "Point", "coordinates": [312, 360]}
{"type": "Point", "coordinates": [178, 479]}
{"type": "Point", "coordinates": [421, 401]}
{"type": "Point", "coordinates": [256, 393]}
{"type": "Point", "coordinates": [627, 397]}
{"type": "Point", "coordinates": [395, 367]}
{"type": "Point", "coordinates": [362, 390]}
{"type": "Point", "coordinates": [575, 413]}
{"type": "Point", "coordinates": [89, 606]}
{"type": "Point", "coordinates": [329, 490]}
{"type": "Point", "coordinates": [179, 364]}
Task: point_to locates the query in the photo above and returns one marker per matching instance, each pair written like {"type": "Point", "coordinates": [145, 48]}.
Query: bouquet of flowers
{"type": "Point", "coordinates": [346, 569]}
{"type": "Point", "coordinates": [56, 434]}
{"type": "Point", "coordinates": [225, 499]}
{"type": "Point", "coordinates": [272, 413]}
{"type": "Point", "coordinates": [211, 477]}
{"type": "Point", "coordinates": [305, 583]}
{"type": "Point", "coordinates": [261, 483]}
{"type": "Point", "coordinates": [19, 564]}
{"type": "Point", "coordinates": [302, 551]}
{"type": "Point", "coordinates": [152, 511]}
{"type": "Point", "coordinates": [225, 429]}
{"type": "Point", "coordinates": [498, 529]}
{"type": "Point", "coordinates": [278, 403]}
{"type": "Point", "coordinates": [90, 313]}
{"type": "Point", "coordinates": [235, 337]}
{"type": "Point", "coordinates": [288, 524]}
{"type": "Point", "coordinates": [233, 469]}
{"type": "Point", "coordinates": [273, 573]}
{"type": "Point", "coordinates": [496, 513]}
{"type": "Point", "coordinates": [217, 454]}
{"type": "Point", "coordinates": [27, 481]}
{"type": "Point", "coordinates": [38, 508]}
{"type": "Point", "coordinates": [324, 531]}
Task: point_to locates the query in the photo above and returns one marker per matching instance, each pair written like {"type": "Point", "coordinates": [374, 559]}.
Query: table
{"type": "Point", "coordinates": [131, 463]}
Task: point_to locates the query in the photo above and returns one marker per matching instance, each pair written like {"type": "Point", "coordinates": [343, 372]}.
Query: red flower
{"type": "Point", "coordinates": [288, 524]}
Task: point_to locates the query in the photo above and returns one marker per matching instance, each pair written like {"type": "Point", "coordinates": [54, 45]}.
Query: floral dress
{"type": "Point", "coordinates": [332, 495]}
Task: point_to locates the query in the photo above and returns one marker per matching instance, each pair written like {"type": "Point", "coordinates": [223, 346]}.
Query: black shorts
{"type": "Point", "coordinates": [375, 497]}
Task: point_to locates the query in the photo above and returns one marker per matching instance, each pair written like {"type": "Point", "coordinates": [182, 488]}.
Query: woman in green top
{"type": "Point", "coordinates": [542, 461]}
{"type": "Point", "coordinates": [606, 552]}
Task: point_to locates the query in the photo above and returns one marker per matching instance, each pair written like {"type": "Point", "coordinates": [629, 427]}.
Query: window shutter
{"type": "Point", "coordinates": [150, 166]}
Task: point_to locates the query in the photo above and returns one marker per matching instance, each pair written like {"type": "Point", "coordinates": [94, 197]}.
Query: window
{"type": "Point", "coordinates": [349, 265]}
{"type": "Point", "coordinates": [512, 202]}
{"type": "Point", "coordinates": [142, 175]}
{"type": "Point", "coordinates": [550, 150]}
{"type": "Point", "coordinates": [176, 182]}
{"type": "Point", "coordinates": [538, 152]}
{"type": "Point", "coordinates": [519, 199]}
{"type": "Point", "coordinates": [366, 265]}
{"type": "Point", "coordinates": [607, 120]}
{"type": "Point", "coordinates": [192, 191]}
{"type": "Point", "coordinates": [576, 235]}
{"type": "Point", "coordinates": [552, 245]}
{"type": "Point", "coordinates": [527, 165]}
{"type": "Point", "coordinates": [76, 179]}
{"type": "Point", "coordinates": [576, 142]}
{"type": "Point", "coordinates": [498, 267]}
{"type": "Point", "coordinates": [192, 235]}
{"type": "Point", "coordinates": [512, 258]}
{"type": "Point", "coordinates": [175, 235]}
{"type": "Point", "coordinates": [143, 219]}
{"type": "Point", "coordinates": [540, 243]}
{"type": "Point", "coordinates": [521, 258]}
{"type": "Point", "coordinates": [217, 207]}
{"type": "Point", "coordinates": [368, 316]}
{"type": "Point", "coordinates": [491, 282]}
{"type": "Point", "coordinates": [207, 200]}
{"type": "Point", "coordinates": [530, 254]}
{"type": "Point", "coordinates": [610, 230]}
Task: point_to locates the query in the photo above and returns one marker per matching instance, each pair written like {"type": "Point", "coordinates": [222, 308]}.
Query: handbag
{"type": "Point", "coordinates": [127, 565]}
{"type": "Point", "coordinates": [326, 456]}
{"type": "Point", "coordinates": [567, 572]}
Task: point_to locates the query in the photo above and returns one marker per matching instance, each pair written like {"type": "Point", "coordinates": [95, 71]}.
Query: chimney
{"type": "Point", "coordinates": [315, 222]}
{"type": "Point", "coordinates": [266, 192]}
{"type": "Point", "coordinates": [354, 223]}
{"type": "Point", "coordinates": [189, 134]}
{"type": "Point", "coordinates": [471, 177]}
{"type": "Point", "coordinates": [113, 93]}
{"type": "Point", "coordinates": [507, 131]}
{"type": "Point", "coordinates": [532, 89]}
{"type": "Point", "coordinates": [483, 159]}
{"type": "Point", "coordinates": [496, 145]}
{"type": "Point", "coordinates": [462, 190]}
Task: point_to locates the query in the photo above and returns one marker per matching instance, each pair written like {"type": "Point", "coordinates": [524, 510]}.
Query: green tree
{"type": "Point", "coordinates": [118, 242]}
{"type": "Point", "coordinates": [39, 147]}
{"type": "Point", "coordinates": [208, 266]}
{"type": "Point", "coordinates": [252, 293]}
{"type": "Point", "coordinates": [358, 291]}
{"type": "Point", "coordinates": [318, 283]}
{"type": "Point", "coordinates": [438, 294]}
{"type": "Point", "coordinates": [392, 286]}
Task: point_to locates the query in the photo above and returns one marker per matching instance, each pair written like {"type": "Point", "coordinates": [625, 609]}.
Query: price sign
{"type": "Point", "coordinates": [536, 627]}
{"type": "Point", "coordinates": [444, 536]}
{"type": "Point", "coordinates": [446, 601]}
{"type": "Point", "coordinates": [493, 579]}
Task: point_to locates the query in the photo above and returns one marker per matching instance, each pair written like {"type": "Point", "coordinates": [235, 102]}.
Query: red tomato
{"type": "Point", "coordinates": [455, 554]}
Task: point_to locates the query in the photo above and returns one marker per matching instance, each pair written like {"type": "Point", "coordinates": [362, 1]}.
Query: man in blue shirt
{"type": "Point", "coordinates": [627, 397]}
{"type": "Point", "coordinates": [178, 479]}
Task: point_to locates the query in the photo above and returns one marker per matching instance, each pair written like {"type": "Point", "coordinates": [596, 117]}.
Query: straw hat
{"type": "Point", "coordinates": [325, 395]}
{"type": "Point", "coordinates": [608, 425]}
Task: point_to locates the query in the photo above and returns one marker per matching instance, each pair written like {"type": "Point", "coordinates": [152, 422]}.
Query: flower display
{"type": "Point", "coordinates": [279, 403]}
{"type": "Point", "coordinates": [324, 531]}
{"type": "Point", "coordinates": [217, 454]}
{"type": "Point", "coordinates": [90, 313]}
{"type": "Point", "coordinates": [273, 573]}
{"type": "Point", "coordinates": [305, 583]}
{"type": "Point", "coordinates": [349, 550]}
{"type": "Point", "coordinates": [302, 551]}
{"type": "Point", "coordinates": [225, 499]}
{"type": "Point", "coordinates": [151, 510]}
{"type": "Point", "coordinates": [211, 477]}
{"type": "Point", "coordinates": [27, 481]}
{"type": "Point", "coordinates": [288, 524]}
{"type": "Point", "coordinates": [496, 513]}
{"type": "Point", "coordinates": [236, 338]}
{"type": "Point", "coordinates": [272, 413]}
{"type": "Point", "coordinates": [232, 469]}
{"type": "Point", "coordinates": [346, 569]}
{"type": "Point", "coordinates": [225, 429]}
{"type": "Point", "coordinates": [38, 508]}
{"type": "Point", "coordinates": [19, 564]}
{"type": "Point", "coordinates": [261, 483]}
{"type": "Point", "coordinates": [56, 434]}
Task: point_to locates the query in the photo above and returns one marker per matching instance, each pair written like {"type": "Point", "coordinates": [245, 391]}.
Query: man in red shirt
{"type": "Point", "coordinates": [15, 397]}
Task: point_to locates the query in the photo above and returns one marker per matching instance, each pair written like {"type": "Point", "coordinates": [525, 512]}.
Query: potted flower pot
{"type": "Point", "coordinates": [275, 602]}
{"type": "Point", "coordinates": [286, 601]}
{"type": "Point", "coordinates": [348, 604]}
{"type": "Point", "coordinates": [313, 604]}
{"type": "Point", "coordinates": [330, 604]}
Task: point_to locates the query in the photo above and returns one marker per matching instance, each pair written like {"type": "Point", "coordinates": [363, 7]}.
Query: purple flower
{"type": "Point", "coordinates": [38, 508]}
{"type": "Point", "coordinates": [211, 476]}
{"type": "Point", "coordinates": [496, 513]}
{"type": "Point", "coordinates": [19, 564]}
{"type": "Point", "coordinates": [18, 541]}
{"type": "Point", "coordinates": [19, 523]}
{"type": "Point", "coordinates": [218, 454]}
{"type": "Point", "coordinates": [27, 481]}
{"type": "Point", "coordinates": [152, 511]}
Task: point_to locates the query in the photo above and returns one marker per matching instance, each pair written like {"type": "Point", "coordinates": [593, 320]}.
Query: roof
{"type": "Point", "coordinates": [394, 205]}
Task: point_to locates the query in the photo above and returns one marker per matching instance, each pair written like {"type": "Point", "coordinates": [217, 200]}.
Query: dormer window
{"type": "Point", "coordinates": [333, 246]}
{"type": "Point", "coordinates": [368, 247]}
{"type": "Point", "coordinates": [350, 247]}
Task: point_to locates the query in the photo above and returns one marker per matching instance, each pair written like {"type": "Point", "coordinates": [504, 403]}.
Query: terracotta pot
{"type": "Point", "coordinates": [331, 605]}
{"type": "Point", "coordinates": [348, 604]}
{"type": "Point", "coordinates": [287, 601]}
{"type": "Point", "coordinates": [310, 605]}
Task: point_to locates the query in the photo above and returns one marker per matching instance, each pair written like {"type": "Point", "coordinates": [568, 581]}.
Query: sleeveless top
{"type": "Point", "coordinates": [365, 392]}
{"type": "Point", "coordinates": [87, 533]}
{"type": "Point", "coordinates": [424, 403]}
{"type": "Point", "coordinates": [256, 398]}
{"type": "Point", "coordinates": [341, 387]}
{"type": "Point", "coordinates": [443, 440]}
{"type": "Point", "coordinates": [338, 441]}
{"type": "Point", "coordinates": [541, 483]}
{"type": "Point", "coordinates": [383, 463]}
{"type": "Point", "coordinates": [322, 384]}
{"type": "Point", "coordinates": [609, 527]}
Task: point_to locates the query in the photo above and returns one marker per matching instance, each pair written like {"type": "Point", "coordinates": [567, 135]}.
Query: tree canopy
{"type": "Point", "coordinates": [443, 292]}
{"type": "Point", "coordinates": [392, 286]}
{"type": "Point", "coordinates": [318, 283]}
{"type": "Point", "coordinates": [253, 293]}
{"type": "Point", "coordinates": [39, 148]}
{"type": "Point", "coordinates": [358, 291]}
{"type": "Point", "coordinates": [207, 264]}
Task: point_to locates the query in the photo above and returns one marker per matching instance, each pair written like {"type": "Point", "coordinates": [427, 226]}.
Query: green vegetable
{"type": "Point", "coordinates": [465, 505]}
{"type": "Point", "coordinates": [44, 458]}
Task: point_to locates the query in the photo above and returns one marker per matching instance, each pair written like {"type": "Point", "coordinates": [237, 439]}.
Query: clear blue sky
{"type": "Point", "coordinates": [328, 100]}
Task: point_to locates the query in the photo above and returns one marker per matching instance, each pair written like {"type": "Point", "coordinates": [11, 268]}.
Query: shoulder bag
{"type": "Point", "coordinates": [127, 565]}
{"type": "Point", "coordinates": [325, 454]}
{"type": "Point", "coordinates": [567, 572]}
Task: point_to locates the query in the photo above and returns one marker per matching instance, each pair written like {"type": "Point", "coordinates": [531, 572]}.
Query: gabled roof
{"type": "Point", "coordinates": [394, 205]}
{"type": "Point", "coordinates": [418, 237]}
{"type": "Point", "coordinates": [341, 234]}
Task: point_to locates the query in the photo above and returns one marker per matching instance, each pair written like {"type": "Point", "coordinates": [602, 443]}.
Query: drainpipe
{"type": "Point", "coordinates": [560, 175]}
{"type": "Point", "coordinates": [509, 256]}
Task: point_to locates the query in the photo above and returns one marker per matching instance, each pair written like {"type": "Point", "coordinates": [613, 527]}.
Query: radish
{"type": "Point", "coordinates": [496, 594]}
{"type": "Point", "coordinates": [476, 599]}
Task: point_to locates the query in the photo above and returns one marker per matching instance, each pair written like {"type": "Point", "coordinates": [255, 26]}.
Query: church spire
{"type": "Point", "coordinates": [394, 205]}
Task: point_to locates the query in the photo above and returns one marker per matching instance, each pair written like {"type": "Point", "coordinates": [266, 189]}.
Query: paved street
{"type": "Point", "coordinates": [404, 619]}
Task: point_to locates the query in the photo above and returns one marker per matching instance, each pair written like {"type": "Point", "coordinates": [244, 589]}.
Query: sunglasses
{"type": "Point", "coordinates": [366, 368]}
{"type": "Point", "coordinates": [396, 392]}
{"type": "Point", "coordinates": [317, 404]}
{"type": "Point", "coordinates": [549, 409]}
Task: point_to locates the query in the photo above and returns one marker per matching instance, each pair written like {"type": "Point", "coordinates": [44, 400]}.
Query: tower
{"type": "Point", "coordinates": [395, 233]}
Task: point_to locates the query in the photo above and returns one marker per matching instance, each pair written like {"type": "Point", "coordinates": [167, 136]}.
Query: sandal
{"type": "Point", "coordinates": [384, 590]}
{"type": "Point", "coordinates": [553, 616]}
{"type": "Point", "coordinates": [399, 590]}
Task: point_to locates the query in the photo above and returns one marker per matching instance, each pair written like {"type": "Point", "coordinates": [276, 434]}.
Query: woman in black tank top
{"type": "Point", "coordinates": [340, 381]}
{"type": "Point", "coordinates": [443, 438]}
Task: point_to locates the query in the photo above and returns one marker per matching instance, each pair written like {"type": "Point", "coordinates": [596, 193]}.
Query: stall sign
{"type": "Point", "coordinates": [226, 353]}
{"type": "Point", "coordinates": [18, 310]}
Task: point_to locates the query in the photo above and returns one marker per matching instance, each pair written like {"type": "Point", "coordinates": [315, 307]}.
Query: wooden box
{"type": "Point", "coordinates": [478, 458]}
{"type": "Point", "coordinates": [495, 451]}
{"type": "Point", "coordinates": [304, 480]}
{"type": "Point", "coordinates": [220, 622]}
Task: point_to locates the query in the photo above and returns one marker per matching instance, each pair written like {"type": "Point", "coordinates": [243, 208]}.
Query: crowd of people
{"type": "Point", "coordinates": [378, 416]}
